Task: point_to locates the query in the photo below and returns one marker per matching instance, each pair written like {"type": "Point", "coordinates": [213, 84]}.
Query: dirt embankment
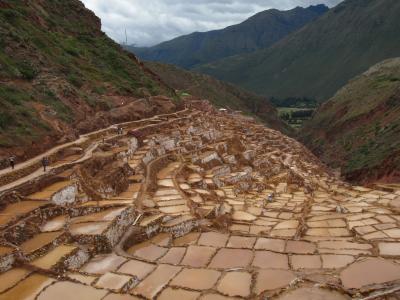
{"type": "Point", "coordinates": [139, 109]}
{"type": "Point", "coordinates": [387, 172]}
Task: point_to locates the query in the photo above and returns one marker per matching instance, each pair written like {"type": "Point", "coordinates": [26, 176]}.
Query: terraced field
{"type": "Point", "coordinates": [199, 204]}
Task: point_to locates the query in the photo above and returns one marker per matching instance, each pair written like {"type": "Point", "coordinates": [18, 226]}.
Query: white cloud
{"type": "Point", "coordinates": [149, 22]}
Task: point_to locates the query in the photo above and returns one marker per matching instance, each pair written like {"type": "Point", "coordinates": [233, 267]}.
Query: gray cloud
{"type": "Point", "coordinates": [149, 22]}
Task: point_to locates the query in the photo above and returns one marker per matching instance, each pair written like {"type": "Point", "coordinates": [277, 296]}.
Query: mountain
{"type": "Point", "coordinates": [220, 93]}
{"type": "Point", "coordinates": [320, 58]}
{"type": "Point", "coordinates": [358, 129]}
{"type": "Point", "coordinates": [61, 76]}
{"type": "Point", "coordinates": [260, 31]}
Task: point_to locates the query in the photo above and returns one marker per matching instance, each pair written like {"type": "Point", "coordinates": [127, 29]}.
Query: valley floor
{"type": "Point", "coordinates": [198, 204]}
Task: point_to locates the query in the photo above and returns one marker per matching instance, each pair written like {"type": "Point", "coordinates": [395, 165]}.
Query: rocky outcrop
{"type": "Point", "coordinates": [104, 176]}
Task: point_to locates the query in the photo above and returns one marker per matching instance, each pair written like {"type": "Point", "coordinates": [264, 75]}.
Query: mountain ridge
{"type": "Point", "coordinates": [321, 57]}
{"type": "Point", "coordinates": [358, 129]}
{"type": "Point", "coordinates": [259, 31]}
{"type": "Point", "coordinates": [220, 94]}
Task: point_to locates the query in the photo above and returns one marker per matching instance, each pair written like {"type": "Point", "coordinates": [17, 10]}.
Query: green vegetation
{"type": "Point", "coordinates": [27, 71]}
{"type": "Point", "coordinates": [6, 120]}
{"type": "Point", "coordinates": [295, 102]}
{"type": "Point", "coordinates": [57, 66]}
{"type": "Point", "coordinates": [359, 128]}
{"type": "Point", "coordinates": [316, 61]}
{"type": "Point", "coordinates": [19, 122]}
{"type": "Point", "coordinates": [295, 110]}
{"type": "Point", "coordinates": [75, 80]}
{"type": "Point", "coordinates": [13, 96]}
{"type": "Point", "coordinates": [221, 94]}
{"type": "Point", "coordinates": [258, 32]}
{"type": "Point", "coordinates": [295, 116]}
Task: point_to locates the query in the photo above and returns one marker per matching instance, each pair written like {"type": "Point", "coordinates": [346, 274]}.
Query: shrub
{"type": "Point", "coordinates": [100, 90]}
{"type": "Point", "coordinates": [6, 120]}
{"type": "Point", "coordinates": [75, 80]}
{"type": "Point", "coordinates": [13, 96]}
{"type": "Point", "coordinates": [27, 71]}
{"type": "Point", "coordinates": [11, 15]}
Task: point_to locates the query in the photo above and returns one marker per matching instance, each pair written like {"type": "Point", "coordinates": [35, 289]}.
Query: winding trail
{"type": "Point", "coordinates": [97, 136]}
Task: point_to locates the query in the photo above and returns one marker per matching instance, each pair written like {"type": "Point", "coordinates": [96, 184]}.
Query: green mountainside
{"type": "Point", "coordinates": [358, 130]}
{"type": "Point", "coordinates": [60, 76]}
{"type": "Point", "coordinates": [258, 32]}
{"type": "Point", "coordinates": [221, 94]}
{"type": "Point", "coordinates": [57, 70]}
{"type": "Point", "coordinates": [320, 58]}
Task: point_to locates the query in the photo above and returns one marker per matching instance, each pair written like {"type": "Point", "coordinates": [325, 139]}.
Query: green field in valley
{"type": "Point", "coordinates": [295, 116]}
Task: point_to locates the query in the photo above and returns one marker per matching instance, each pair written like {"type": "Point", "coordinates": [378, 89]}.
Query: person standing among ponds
{"type": "Point", "coordinates": [12, 162]}
{"type": "Point", "coordinates": [45, 163]}
{"type": "Point", "coordinates": [271, 197]}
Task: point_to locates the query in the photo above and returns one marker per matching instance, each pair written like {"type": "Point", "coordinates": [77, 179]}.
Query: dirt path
{"type": "Point", "coordinates": [82, 139]}
{"type": "Point", "coordinates": [38, 158]}
{"type": "Point", "coordinates": [39, 172]}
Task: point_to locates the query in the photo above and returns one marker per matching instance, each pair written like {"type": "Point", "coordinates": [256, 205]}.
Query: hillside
{"type": "Point", "coordinates": [258, 32]}
{"type": "Point", "coordinates": [320, 58]}
{"type": "Point", "coordinates": [61, 76]}
{"type": "Point", "coordinates": [182, 214]}
{"type": "Point", "coordinates": [220, 93]}
{"type": "Point", "coordinates": [359, 128]}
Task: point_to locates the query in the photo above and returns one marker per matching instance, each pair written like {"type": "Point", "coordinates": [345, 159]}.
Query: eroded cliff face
{"type": "Point", "coordinates": [60, 75]}
{"type": "Point", "coordinates": [194, 204]}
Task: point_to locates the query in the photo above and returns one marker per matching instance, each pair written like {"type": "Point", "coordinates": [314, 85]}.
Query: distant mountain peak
{"type": "Point", "coordinates": [319, 8]}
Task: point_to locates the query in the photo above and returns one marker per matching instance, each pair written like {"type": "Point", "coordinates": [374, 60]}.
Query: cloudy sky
{"type": "Point", "coordinates": [149, 22]}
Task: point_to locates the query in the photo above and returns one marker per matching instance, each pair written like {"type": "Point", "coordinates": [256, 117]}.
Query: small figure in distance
{"type": "Point", "coordinates": [45, 163]}
{"type": "Point", "coordinates": [271, 197]}
{"type": "Point", "coordinates": [12, 162]}
{"type": "Point", "coordinates": [268, 199]}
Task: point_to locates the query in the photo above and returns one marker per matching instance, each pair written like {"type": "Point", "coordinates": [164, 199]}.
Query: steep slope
{"type": "Point", "coordinates": [260, 31]}
{"type": "Point", "coordinates": [160, 223]}
{"type": "Point", "coordinates": [359, 128]}
{"type": "Point", "coordinates": [58, 72]}
{"type": "Point", "coordinates": [221, 94]}
{"type": "Point", "coordinates": [321, 57]}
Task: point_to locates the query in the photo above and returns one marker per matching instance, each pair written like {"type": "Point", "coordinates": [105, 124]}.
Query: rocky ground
{"type": "Point", "coordinates": [176, 207]}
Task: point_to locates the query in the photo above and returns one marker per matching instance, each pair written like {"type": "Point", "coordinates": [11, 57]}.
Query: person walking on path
{"type": "Point", "coordinates": [45, 163]}
{"type": "Point", "coordinates": [12, 162]}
